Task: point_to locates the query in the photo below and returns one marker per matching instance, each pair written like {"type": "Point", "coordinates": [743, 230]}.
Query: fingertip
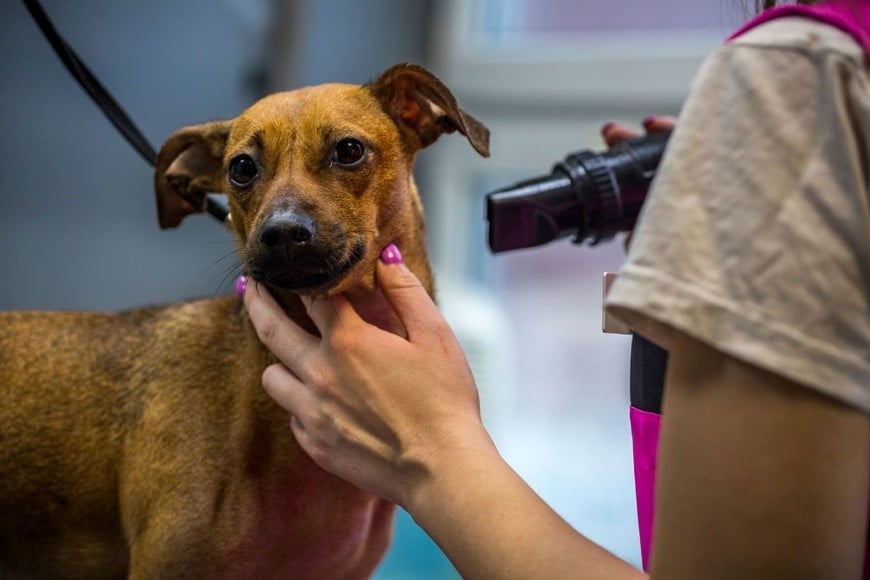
{"type": "Point", "coordinates": [391, 255]}
{"type": "Point", "coordinates": [613, 133]}
{"type": "Point", "coordinates": [279, 382]}
{"type": "Point", "coordinates": [252, 292]}
{"type": "Point", "coordinates": [270, 378]}
{"type": "Point", "coordinates": [241, 285]}
{"type": "Point", "coordinates": [606, 130]}
{"type": "Point", "coordinates": [657, 123]}
{"type": "Point", "coordinates": [391, 268]}
{"type": "Point", "coordinates": [269, 372]}
{"type": "Point", "coordinates": [249, 293]}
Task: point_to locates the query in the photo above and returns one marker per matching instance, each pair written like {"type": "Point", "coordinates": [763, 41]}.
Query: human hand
{"type": "Point", "coordinates": [371, 407]}
{"type": "Point", "coordinates": [613, 133]}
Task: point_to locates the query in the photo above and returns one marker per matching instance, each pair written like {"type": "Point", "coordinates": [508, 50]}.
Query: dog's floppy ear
{"type": "Point", "coordinates": [424, 108]}
{"type": "Point", "coordinates": [188, 167]}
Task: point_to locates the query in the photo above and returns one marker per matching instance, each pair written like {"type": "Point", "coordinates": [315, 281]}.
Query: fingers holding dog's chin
{"type": "Point", "coordinates": [276, 331]}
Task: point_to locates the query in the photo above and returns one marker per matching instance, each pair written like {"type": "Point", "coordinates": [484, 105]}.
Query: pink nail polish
{"type": "Point", "coordinates": [649, 119]}
{"type": "Point", "coordinates": [241, 285]}
{"type": "Point", "coordinates": [391, 255]}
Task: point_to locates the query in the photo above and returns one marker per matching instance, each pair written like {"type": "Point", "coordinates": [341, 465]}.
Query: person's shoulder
{"type": "Point", "coordinates": [801, 33]}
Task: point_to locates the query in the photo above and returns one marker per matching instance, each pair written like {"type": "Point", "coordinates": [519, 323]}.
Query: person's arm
{"type": "Point", "coordinates": [400, 418]}
{"type": "Point", "coordinates": [492, 525]}
{"type": "Point", "coordinates": [758, 477]}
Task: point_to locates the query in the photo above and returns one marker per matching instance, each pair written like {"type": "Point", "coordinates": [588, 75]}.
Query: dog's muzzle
{"type": "Point", "coordinates": [291, 252]}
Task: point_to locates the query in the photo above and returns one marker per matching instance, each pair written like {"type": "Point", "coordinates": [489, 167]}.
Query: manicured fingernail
{"type": "Point", "coordinates": [241, 285]}
{"type": "Point", "coordinates": [606, 127]}
{"type": "Point", "coordinates": [391, 255]}
{"type": "Point", "coordinates": [648, 120]}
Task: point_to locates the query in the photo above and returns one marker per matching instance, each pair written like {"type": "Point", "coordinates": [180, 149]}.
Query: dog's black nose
{"type": "Point", "coordinates": [289, 229]}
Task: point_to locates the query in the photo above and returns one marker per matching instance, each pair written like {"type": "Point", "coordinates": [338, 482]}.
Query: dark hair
{"type": "Point", "coordinates": [765, 4]}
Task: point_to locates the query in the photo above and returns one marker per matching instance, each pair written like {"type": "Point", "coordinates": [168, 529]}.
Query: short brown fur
{"type": "Point", "coordinates": [141, 444]}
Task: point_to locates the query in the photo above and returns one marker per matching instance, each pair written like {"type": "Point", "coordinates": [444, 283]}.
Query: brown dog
{"type": "Point", "coordinates": [141, 444]}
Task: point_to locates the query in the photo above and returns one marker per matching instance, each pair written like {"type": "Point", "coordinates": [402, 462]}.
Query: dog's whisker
{"type": "Point", "coordinates": [231, 274]}
{"type": "Point", "coordinates": [221, 259]}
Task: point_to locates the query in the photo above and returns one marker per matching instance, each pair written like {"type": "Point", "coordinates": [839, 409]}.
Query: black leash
{"type": "Point", "coordinates": [104, 100]}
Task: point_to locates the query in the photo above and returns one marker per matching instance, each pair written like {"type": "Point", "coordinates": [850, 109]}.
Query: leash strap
{"type": "Point", "coordinates": [104, 100]}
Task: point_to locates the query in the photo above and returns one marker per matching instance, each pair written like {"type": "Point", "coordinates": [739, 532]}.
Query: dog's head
{"type": "Point", "coordinates": [318, 179]}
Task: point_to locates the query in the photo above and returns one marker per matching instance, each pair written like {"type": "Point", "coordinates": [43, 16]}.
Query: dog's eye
{"type": "Point", "coordinates": [242, 171]}
{"type": "Point", "coordinates": [349, 152]}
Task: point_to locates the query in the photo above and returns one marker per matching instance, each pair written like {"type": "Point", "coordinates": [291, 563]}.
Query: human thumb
{"type": "Point", "coordinates": [403, 290]}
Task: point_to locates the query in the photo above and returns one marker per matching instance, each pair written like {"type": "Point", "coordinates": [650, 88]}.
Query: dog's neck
{"type": "Point", "coordinates": [369, 304]}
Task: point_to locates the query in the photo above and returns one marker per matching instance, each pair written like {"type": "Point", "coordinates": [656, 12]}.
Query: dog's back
{"type": "Point", "coordinates": [74, 389]}
{"type": "Point", "coordinates": [49, 421]}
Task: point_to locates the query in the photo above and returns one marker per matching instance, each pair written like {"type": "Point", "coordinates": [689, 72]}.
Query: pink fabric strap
{"type": "Point", "coordinates": [850, 16]}
{"type": "Point", "coordinates": [645, 443]}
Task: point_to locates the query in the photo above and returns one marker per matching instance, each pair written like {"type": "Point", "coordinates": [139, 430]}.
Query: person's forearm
{"type": "Point", "coordinates": [492, 525]}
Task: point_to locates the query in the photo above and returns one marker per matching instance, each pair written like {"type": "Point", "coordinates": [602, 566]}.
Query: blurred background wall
{"type": "Point", "coordinates": [78, 225]}
{"type": "Point", "coordinates": [77, 216]}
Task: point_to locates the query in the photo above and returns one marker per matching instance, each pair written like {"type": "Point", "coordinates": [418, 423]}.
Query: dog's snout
{"type": "Point", "coordinates": [288, 229]}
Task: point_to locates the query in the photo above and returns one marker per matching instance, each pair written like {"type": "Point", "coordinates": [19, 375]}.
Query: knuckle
{"type": "Point", "coordinates": [341, 341]}
{"type": "Point", "coordinates": [267, 330]}
{"type": "Point", "coordinates": [321, 380]}
{"type": "Point", "coordinates": [407, 283]}
{"type": "Point", "coordinates": [318, 423]}
{"type": "Point", "coordinates": [442, 331]}
{"type": "Point", "coordinates": [401, 280]}
{"type": "Point", "coordinates": [344, 431]}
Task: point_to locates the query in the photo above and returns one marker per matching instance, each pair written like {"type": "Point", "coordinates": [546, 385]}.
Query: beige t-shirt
{"type": "Point", "coordinates": [755, 237]}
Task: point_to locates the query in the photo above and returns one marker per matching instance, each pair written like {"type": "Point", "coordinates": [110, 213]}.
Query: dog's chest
{"type": "Point", "coordinates": [313, 527]}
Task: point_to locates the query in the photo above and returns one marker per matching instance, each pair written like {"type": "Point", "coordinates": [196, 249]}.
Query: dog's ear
{"type": "Point", "coordinates": [424, 108]}
{"type": "Point", "coordinates": [188, 167]}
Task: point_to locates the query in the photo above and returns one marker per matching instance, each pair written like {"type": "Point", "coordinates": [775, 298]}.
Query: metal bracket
{"type": "Point", "coordinates": [609, 324]}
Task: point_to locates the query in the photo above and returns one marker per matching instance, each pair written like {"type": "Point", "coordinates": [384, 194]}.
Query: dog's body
{"type": "Point", "coordinates": [141, 444]}
{"type": "Point", "coordinates": [171, 446]}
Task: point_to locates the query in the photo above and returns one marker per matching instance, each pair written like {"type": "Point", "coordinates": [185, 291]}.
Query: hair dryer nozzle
{"type": "Point", "coordinates": [530, 213]}
{"type": "Point", "coordinates": [590, 196]}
